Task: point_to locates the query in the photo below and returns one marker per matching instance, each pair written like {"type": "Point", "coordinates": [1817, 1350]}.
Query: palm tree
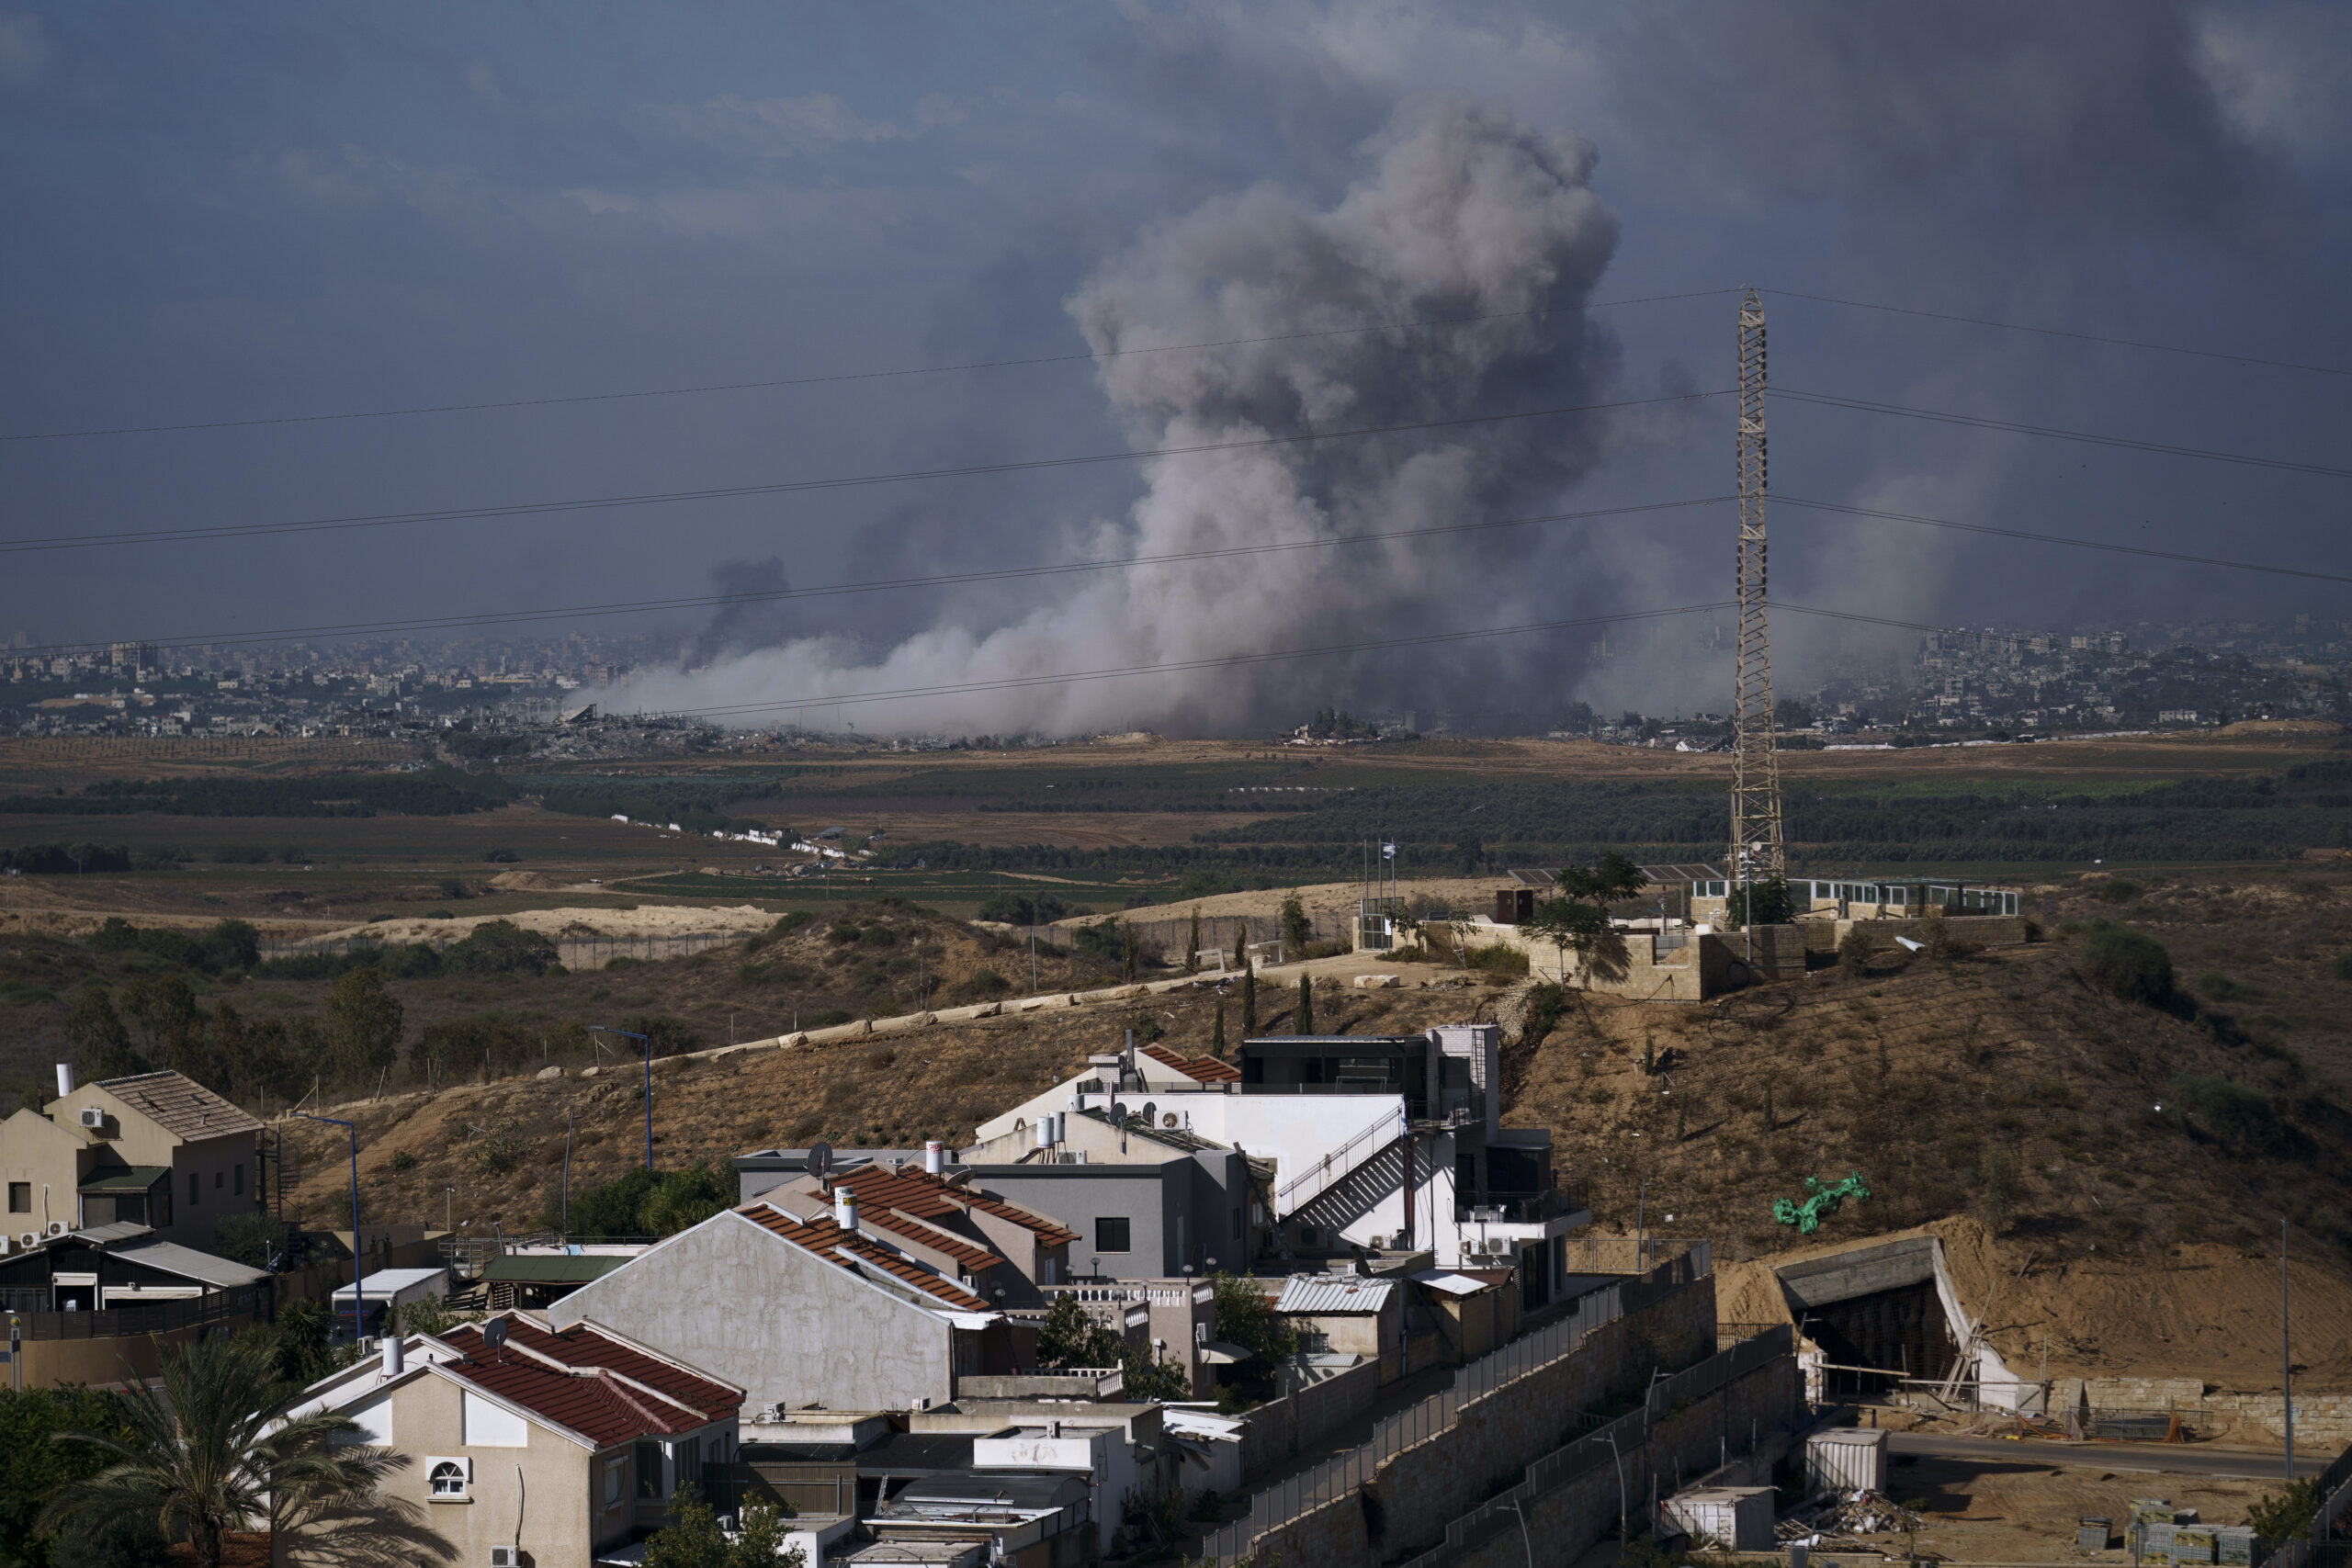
{"type": "Point", "coordinates": [215, 1450]}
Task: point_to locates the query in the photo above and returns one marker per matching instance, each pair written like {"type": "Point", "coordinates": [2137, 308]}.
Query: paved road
{"type": "Point", "coordinates": [2152, 1459]}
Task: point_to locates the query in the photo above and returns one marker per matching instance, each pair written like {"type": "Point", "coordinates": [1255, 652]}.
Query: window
{"type": "Point", "coordinates": [194, 1189]}
{"type": "Point", "coordinates": [689, 1461]}
{"type": "Point", "coordinates": [648, 1469]}
{"type": "Point", "coordinates": [20, 1197]}
{"type": "Point", "coordinates": [162, 1204]}
{"type": "Point", "coordinates": [219, 1180]}
{"type": "Point", "coordinates": [239, 1186]}
{"type": "Point", "coordinates": [615, 1468]}
{"type": "Point", "coordinates": [445, 1480]}
{"type": "Point", "coordinates": [1111, 1233]}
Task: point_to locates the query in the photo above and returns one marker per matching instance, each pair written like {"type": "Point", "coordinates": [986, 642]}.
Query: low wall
{"type": "Point", "coordinates": [2322, 1421]}
{"type": "Point", "coordinates": [51, 1362]}
{"type": "Point", "coordinates": [1422, 1488]}
{"type": "Point", "coordinates": [1277, 1429]}
{"type": "Point", "coordinates": [1823, 932]}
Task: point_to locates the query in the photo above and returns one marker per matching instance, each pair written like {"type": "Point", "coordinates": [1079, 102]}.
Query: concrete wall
{"type": "Point", "coordinates": [1422, 1487]}
{"type": "Point", "coordinates": [50, 1363]}
{"type": "Point", "coordinates": [788, 1328]}
{"type": "Point", "coordinates": [39, 1153]}
{"type": "Point", "coordinates": [2322, 1421]}
{"type": "Point", "coordinates": [1385, 1523]}
{"type": "Point", "coordinates": [560, 1521]}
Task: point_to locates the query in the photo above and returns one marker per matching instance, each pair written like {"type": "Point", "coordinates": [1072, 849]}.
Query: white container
{"type": "Point", "coordinates": [1850, 1460]}
{"type": "Point", "coordinates": [1730, 1518]}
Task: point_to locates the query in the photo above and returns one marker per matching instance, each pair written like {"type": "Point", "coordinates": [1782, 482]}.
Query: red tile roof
{"type": "Point", "coordinates": [1200, 1069]}
{"type": "Point", "coordinates": [589, 1382]}
{"type": "Point", "coordinates": [927, 1197]}
{"type": "Point", "coordinates": [829, 1241]}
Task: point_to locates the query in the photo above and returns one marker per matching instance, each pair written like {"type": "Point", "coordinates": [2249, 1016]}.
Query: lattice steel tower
{"type": "Point", "coordinates": [1756, 853]}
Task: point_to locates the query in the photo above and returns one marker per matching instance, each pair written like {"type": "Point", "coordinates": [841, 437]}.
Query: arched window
{"type": "Point", "coordinates": [447, 1478]}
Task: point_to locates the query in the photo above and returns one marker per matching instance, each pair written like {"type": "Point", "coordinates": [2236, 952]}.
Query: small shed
{"type": "Point", "coordinates": [1475, 1309]}
{"type": "Point", "coordinates": [1347, 1314]}
{"type": "Point", "coordinates": [1731, 1518]}
{"type": "Point", "coordinates": [540, 1278]}
{"type": "Point", "coordinates": [1209, 1445]}
{"type": "Point", "coordinates": [388, 1288]}
{"type": "Point", "coordinates": [1851, 1459]}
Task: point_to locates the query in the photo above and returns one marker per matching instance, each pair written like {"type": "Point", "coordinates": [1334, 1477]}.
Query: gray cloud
{"type": "Point", "coordinates": [1466, 213]}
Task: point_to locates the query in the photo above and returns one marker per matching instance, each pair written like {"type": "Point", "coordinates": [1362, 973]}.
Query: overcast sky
{"type": "Point", "coordinates": [244, 213]}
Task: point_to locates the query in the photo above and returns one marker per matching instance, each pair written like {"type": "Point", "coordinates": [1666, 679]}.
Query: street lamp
{"type": "Point", "coordinates": [647, 1041]}
{"type": "Point", "coordinates": [358, 1292]}
{"type": "Point", "coordinates": [1610, 1439]}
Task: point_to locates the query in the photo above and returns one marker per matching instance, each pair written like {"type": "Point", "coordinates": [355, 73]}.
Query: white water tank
{"type": "Point", "coordinates": [845, 1208]}
{"type": "Point", "coordinates": [64, 1080]}
{"type": "Point", "coordinates": [935, 1157]}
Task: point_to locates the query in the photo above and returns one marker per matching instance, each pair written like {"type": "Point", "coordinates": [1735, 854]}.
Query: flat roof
{"type": "Point", "coordinates": [553, 1268]}
{"type": "Point", "coordinates": [1332, 1045]}
{"type": "Point", "coordinates": [391, 1281]}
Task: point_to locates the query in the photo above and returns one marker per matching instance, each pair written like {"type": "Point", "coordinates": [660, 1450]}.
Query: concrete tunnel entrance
{"type": "Point", "coordinates": [1875, 1316]}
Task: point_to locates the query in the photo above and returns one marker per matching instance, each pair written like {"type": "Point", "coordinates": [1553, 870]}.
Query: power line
{"type": "Point", "coordinates": [2063, 539]}
{"type": "Point", "coordinates": [1976, 421]}
{"type": "Point", "coordinates": [786, 487]}
{"type": "Point", "coordinates": [2061, 331]}
{"type": "Point", "coordinates": [830, 379]}
{"type": "Point", "coordinates": [948, 579]}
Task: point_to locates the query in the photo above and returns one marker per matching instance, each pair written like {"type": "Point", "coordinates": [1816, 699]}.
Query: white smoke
{"type": "Point", "coordinates": [1465, 213]}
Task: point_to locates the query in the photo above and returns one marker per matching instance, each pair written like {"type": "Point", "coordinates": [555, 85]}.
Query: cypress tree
{"type": "Point", "coordinates": [1192, 944]}
{"type": "Point", "coordinates": [1127, 937]}
{"type": "Point", "coordinates": [1304, 1023]}
{"type": "Point", "coordinates": [1248, 1000]}
{"type": "Point", "coordinates": [1216, 1035]}
{"type": "Point", "coordinates": [1241, 944]}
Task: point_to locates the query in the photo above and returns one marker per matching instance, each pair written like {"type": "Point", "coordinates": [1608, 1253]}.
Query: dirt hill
{"type": "Point", "coordinates": [2123, 1166]}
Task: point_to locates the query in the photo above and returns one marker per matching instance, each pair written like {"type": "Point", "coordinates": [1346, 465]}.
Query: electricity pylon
{"type": "Point", "coordinates": [1756, 852]}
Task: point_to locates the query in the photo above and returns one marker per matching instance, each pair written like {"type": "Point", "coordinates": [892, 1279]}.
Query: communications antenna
{"type": "Point", "coordinates": [1756, 852]}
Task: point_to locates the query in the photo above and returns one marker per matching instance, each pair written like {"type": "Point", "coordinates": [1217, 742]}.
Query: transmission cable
{"type": "Point", "coordinates": [2061, 331]}
{"type": "Point", "coordinates": [1978, 421]}
{"type": "Point", "coordinates": [878, 585]}
{"type": "Point", "coordinates": [2060, 539]}
{"type": "Point", "coordinates": [839, 377]}
{"type": "Point", "coordinates": [786, 487]}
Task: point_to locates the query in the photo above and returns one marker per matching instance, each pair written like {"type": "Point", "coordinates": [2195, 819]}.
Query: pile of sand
{"type": "Point", "coordinates": [2200, 1312]}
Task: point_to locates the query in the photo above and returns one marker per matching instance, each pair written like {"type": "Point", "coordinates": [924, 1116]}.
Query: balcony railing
{"type": "Point", "coordinates": [158, 1317]}
{"type": "Point", "coordinates": [1527, 1208]}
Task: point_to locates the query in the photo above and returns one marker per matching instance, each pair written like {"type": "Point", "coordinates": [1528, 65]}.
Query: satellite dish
{"type": "Point", "coordinates": [1150, 1113]}
{"type": "Point", "coordinates": [820, 1158]}
{"type": "Point", "coordinates": [493, 1334]}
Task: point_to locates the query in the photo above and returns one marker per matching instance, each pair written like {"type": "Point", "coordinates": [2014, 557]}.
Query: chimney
{"type": "Point", "coordinates": [64, 1080]}
{"type": "Point", "coordinates": [935, 1157]}
{"type": "Point", "coordinates": [845, 1207]}
{"type": "Point", "coordinates": [395, 1351]}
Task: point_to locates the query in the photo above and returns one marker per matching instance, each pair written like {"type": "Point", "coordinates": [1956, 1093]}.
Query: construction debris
{"type": "Point", "coordinates": [1841, 1525]}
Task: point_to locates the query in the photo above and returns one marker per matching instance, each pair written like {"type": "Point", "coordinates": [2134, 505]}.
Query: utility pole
{"type": "Point", "coordinates": [648, 1043]}
{"type": "Point", "coordinates": [1755, 851]}
{"type": "Point", "coordinates": [2286, 1355]}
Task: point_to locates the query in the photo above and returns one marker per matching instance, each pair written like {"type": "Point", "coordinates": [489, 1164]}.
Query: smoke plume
{"type": "Point", "coordinates": [1463, 215]}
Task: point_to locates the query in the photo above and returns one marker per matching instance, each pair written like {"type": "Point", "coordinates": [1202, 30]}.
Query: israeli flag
{"type": "Point", "coordinates": [1387, 851]}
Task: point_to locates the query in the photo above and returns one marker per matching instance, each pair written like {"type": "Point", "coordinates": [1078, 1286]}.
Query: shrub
{"type": "Point", "coordinates": [454, 887]}
{"type": "Point", "coordinates": [1854, 951]}
{"type": "Point", "coordinates": [2216, 986]}
{"type": "Point", "coordinates": [2341, 966]}
{"type": "Point", "coordinates": [989, 983]}
{"type": "Point", "coordinates": [2238, 1115]}
{"type": "Point", "coordinates": [1495, 960]}
{"type": "Point", "coordinates": [842, 931]}
{"type": "Point", "coordinates": [830, 1016]}
{"type": "Point", "coordinates": [499, 854]}
{"type": "Point", "coordinates": [2119, 890]}
{"type": "Point", "coordinates": [2128, 964]}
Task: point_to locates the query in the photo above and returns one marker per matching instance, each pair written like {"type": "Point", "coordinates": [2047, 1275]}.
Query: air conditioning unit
{"type": "Point", "coordinates": [57, 1227]}
{"type": "Point", "coordinates": [28, 1241]}
{"type": "Point", "coordinates": [94, 1117]}
{"type": "Point", "coordinates": [505, 1557]}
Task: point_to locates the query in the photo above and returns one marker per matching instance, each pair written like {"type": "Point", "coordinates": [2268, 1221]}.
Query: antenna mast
{"type": "Point", "coordinates": [1756, 853]}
